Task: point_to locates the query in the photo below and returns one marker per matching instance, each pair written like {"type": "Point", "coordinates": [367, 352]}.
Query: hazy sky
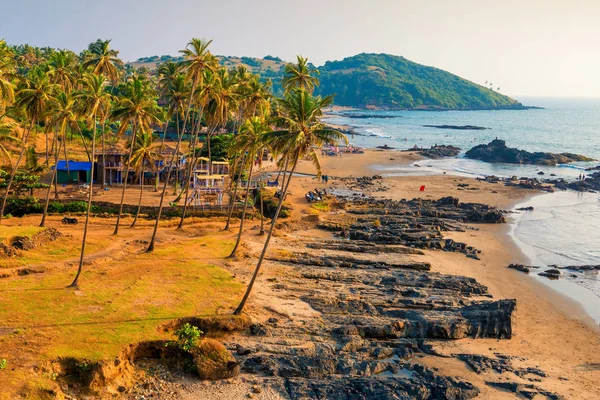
{"type": "Point", "coordinates": [527, 47]}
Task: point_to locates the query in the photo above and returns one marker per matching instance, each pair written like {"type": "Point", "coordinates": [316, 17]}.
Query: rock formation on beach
{"type": "Point", "coordinates": [379, 310]}
{"type": "Point", "coordinates": [441, 151]}
{"type": "Point", "coordinates": [496, 151]}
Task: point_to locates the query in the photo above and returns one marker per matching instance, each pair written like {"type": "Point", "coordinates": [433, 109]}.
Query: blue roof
{"type": "Point", "coordinates": [74, 166]}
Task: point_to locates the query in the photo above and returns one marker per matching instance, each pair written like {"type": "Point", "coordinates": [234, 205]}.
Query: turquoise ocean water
{"type": "Point", "coordinates": [564, 227]}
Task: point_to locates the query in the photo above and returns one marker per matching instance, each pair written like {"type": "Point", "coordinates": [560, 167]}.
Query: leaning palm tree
{"type": "Point", "coordinates": [8, 136]}
{"type": "Point", "coordinates": [63, 112]}
{"type": "Point", "coordinates": [102, 60]}
{"type": "Point", "coordinates": [139, 108]}
{"type": "Point", "coordinates": [299, 116]}
{"type": "Point", "coordinates": [33, 98]}
{"type": "Point", "coordinates": [92, 97]}
{"type": "Point", "coordinates": [249, 141]}
{"type": "Point", "coordinates": [300, 75]}
{"type": "Point", "coordinates": [144, 152]}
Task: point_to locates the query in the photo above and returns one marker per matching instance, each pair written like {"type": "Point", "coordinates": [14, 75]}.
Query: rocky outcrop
{"type": "Point", "coordinates": [436, 152]}
{"type": "Point", "coordinates": [458, 127]}
{"type": "Point", "coordinates": [591, 183]}
{"type": "Point", "coordinates": [416, 223]}
{"type": "Point", "coordinates": [497, 151]}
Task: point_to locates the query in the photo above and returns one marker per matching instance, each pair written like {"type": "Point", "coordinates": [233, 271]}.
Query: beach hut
{"type": "Point", "coordinates": [73, 172]}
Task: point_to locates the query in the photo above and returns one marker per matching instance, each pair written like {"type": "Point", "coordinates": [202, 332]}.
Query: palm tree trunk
{"type": "Point", "coordinates": [137, 213]}
{"type": "Point", "coordinates": [133, 134]}
{"type": "Point", "coordinates": [52, 181]}
{"type": "Point", "coordinates": [87, 214]}
{"type": "Point", "coordinates": [192, 156]}
{"type": "Point", "coordinates": [190, 174]}
{"type": "Point", "coordinates": [104, 153]}
{"type": "Point", "coordinates": [16, 167]}
{"type": "Point", "coordinates": [240, 307]}
{"type": "Point", "coordinates": [262, 212]}
{"type": "Point", "coordinates": [164, 190]}
{"type": "Point", "coordinates": [83, 142]}
{"type": "Point", "coordinates": [232, 199]}
{"type": "Point", "coordinates": [239, 238]}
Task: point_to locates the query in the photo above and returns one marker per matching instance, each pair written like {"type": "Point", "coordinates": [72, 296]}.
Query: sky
{"type": "Point", "coordinates": [525, 47]}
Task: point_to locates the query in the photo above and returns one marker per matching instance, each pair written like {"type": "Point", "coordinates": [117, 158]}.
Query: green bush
{"type": "Point", "coordinates": [3, 364]}
{"type": "Point", "coordinates": [187, 336]}
{"type": "Point", "coordinates": [18, 207]}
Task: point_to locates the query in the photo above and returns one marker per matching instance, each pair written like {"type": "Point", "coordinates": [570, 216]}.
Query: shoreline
{"type": "Point", "coordinates": [550, 330]}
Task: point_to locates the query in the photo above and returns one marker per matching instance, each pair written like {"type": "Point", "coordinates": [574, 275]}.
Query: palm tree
{"type": "Point", "coordinates": [7, 93]}
{"type": "Point", "coordinates": [142, 154]}
{"type": "Point", "coordinates": [300, 75]}
{"type": "Point", "coordinates": [249, 141]}
{"type": "Point", "coordinates": [7, 136]}
{"type": "Point", "coordinates": [102, 60]}
{"type": "Point", "coordinates": [93, 97]}
{"type": "Point", "coordinates": [299, 116]}
{"type": "Point", "coordinates": [33, 98]}
{"type": "Point", "coordinates": [61, 69]}
{"type": "Point", "coordinates": [198, 60]}
{"type": "Point", "coordinates": [63, 111]}
{"type": "Point", "coordinates": [139, 109]}
{"type": "Point", "coordinates": [175, 98]}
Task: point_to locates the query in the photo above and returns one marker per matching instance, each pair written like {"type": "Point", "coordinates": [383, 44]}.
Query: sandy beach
{"type": "Point", "coordinates": [550, 331]}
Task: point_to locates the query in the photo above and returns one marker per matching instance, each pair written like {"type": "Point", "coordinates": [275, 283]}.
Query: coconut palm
{"type": "Point", "coordinates": [249, 141]}
{"type": "Point", "coordinates": [93, 97]}
{"type": "Point", "coordinates": [102, 60]}
{"type": "Point", "coordinates": [8, 135]}
{"type": "Point", "coordinates": [143, 153]}
{"type": "Point", "coordinates": [63, 112]}
{"type": "Point", "coordinates": [299, 115]}
{"type": "Point", "coordinates": [7, 93]}
{"type": "Point", "coordinates": [32, 98]}
{"type": "Point", "coordinates": [300, 75]}
{"type": "Point", "coordinates": [61, 68]}
{"type": "Point", "coordinates": [138, 107]}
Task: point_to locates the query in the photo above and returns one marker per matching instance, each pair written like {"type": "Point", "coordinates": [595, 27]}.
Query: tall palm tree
{"type": "Point", "coordinates": [63, 112]}
{"type": "Point", "coordinates": [7, 64]}
{"type": "Point", "coordinates": [8, 136]}
{"type": "Point", "coordinates": [61, 68]}
{"type": "Point", "coordinates": [144, 152]}
{"type": "Point", "coordinates": [102, 60]}
{"type": "Point", "coordinates": [33, 98]}
{"type": "Point", "coordinates": [249, 141]}
{"type": "Point", "coordinates": [93, 96]}
{"type": "Point", "coordinates": [300, 75]}
{"type": "Point", "coordinates": [299, 116]}
{"type": "Point", "coordinates": [138, 107]}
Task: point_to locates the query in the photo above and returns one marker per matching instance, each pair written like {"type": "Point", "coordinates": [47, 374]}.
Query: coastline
{"type": "Point", "coordinates": [550, 329]}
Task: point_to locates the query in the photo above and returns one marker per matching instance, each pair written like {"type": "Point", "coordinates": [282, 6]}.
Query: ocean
{"type": "Point", "coordinates": [564, 227]}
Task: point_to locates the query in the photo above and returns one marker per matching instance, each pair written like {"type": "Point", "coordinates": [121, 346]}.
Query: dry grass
{"type": "Point", "coordinates": [125, 296]}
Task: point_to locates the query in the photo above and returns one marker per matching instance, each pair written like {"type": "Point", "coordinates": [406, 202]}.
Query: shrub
{"type": "Point", "coordinates": [3, 363]}
{"type": "Point", "coordinates": [187, 336]}
{"type": "Point", "coordinates": [18, 207]}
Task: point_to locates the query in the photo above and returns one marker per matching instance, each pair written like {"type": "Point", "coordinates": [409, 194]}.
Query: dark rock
{"type": "Point", "coordinates": [519, 267]}
{"type": "Point", "coordinates": [552, 273]}
{"type": "Point", "coordinates": [458, 127]}
{"type": "Point", "coordinates": [436, 152]}
{"type": "Point", "coordinates": [530, 208]}
{"type": "Point", "coordinates": [497, 151]}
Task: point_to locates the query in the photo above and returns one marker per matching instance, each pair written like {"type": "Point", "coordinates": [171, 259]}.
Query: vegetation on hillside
{"type": "Point", "coordinates": [379, 80]}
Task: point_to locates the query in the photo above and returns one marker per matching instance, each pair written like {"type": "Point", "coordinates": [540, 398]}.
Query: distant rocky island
{"type": "Point", "coordinates": [497, 152]}
{"type": "Point", "coordinates": [458, 127]}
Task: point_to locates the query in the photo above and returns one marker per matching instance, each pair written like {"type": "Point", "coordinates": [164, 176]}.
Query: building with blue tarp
{"type": "Point", "coordinates": [74, 172]}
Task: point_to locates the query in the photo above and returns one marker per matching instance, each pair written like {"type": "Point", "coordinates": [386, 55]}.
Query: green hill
{"type": "Point", "coordinates": [387, 81]}
{"type": "Point", "coordinates": [377, 80]}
